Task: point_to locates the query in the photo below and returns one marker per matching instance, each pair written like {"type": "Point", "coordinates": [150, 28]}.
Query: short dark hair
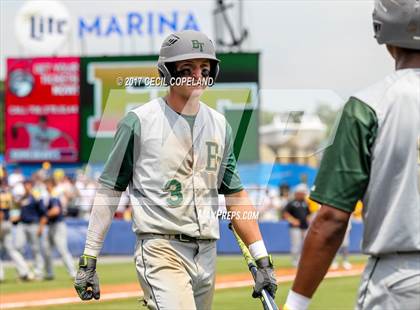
{"type": "Point", "coordinates": [43, 118]}
{"type": "Point", "coordinates": [284, 188]}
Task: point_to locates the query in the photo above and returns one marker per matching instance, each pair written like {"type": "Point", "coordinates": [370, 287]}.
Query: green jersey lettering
{"type": "Point", "coordinates": [212, 156]}
{"type": "Point", "coordinates": [174, 188]}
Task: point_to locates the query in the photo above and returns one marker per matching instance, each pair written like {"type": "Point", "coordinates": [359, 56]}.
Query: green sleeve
{"type": "Point", "coordinates": [230, 181]}
{"type": "Point", "coordinates": [344, 172]}
{"type": "Point", "coordinates": [118, 169]}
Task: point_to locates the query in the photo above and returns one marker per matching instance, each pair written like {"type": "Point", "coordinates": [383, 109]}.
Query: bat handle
{"type": "Point", "coordinates": [269, 302]}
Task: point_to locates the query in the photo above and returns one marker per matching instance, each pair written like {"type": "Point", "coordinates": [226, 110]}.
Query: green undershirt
{"type": "Point", "coordinates": [344, 172]}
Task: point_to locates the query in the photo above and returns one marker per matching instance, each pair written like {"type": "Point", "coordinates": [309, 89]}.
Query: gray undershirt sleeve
{"type": "Point", "coordinates": [104, 206]}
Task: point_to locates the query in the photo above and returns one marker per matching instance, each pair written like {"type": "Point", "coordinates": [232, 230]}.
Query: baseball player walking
{"type": "Point", "coordinates": [374, 157]}
{"type": "Point", "coordinates": [30, 228]}
{"type": "Point", "coordinates": [56, 234]}
{"type": "Point", "coordinates": [6, 236]}
{"type": "Point", "coordinates": [176, 155]}
{"type": "Point", "coordinates": [297, 214]}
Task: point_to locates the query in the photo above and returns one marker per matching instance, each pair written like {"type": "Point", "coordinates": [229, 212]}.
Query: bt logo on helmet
{"type": "Point", "coordinates": [197, 45]}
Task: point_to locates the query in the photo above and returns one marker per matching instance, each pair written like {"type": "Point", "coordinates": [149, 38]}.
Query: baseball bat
{"type": "Point", "coordinates": [266, 299]}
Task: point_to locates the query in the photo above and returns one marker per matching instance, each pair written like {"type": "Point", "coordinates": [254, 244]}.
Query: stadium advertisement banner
{"type": "Point", "coordinates": [42, 109]}
{"type": "Point", "coordinates": [110, 88]}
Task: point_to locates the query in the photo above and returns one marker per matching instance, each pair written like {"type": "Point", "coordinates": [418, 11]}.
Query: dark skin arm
{"type": "Point", "coordinates": [247, 229]}
{"type": "Point", "coordinates": [324, 238]}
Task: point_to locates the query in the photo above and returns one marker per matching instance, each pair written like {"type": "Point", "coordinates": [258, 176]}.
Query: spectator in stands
{"type": "Point", "coordinates": [86, 189]}
{"type": "Point", "coordinates": [3, 172]}
{"type": "Point", "coordinates": [270, 209]}
{"type": "Point", "coordinates": [297, 214]}
{"type": "Point", "coordinates": [67, 193]}
{"type": "Point", "coordinates": [6, 237]}
{"type": "Point", "coordinates": [15, 181]}
{"type": "Point", "coordinates": [31, 226]}
{"type": "Point", "coordinates": [57, 234]}
{"type": "Point", "coordinates": [284, 198]}
{"type": "Point", "coordinates": [45, 171]}
{"type": "Point", "coordinates": [39, 190]}
{"type": "Point", "coordinates": [15, 177]}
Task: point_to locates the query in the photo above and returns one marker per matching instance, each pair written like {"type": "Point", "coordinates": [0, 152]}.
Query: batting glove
{"type": "Point", "coordinates": [87, 281]}
{"type": "Point", "coordinates": [265, 277]}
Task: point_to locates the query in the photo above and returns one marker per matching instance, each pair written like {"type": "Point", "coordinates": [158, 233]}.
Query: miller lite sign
{"type": "Point", "coordinates": [43, 26]}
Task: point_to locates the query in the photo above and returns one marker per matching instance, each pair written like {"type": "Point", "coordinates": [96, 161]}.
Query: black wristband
{"type": "Point", "coordinates": [264, 262]}
{"type": "Point", "coordinates": [86, 261]}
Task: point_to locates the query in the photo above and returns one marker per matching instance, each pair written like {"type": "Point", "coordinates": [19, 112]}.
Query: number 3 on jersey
{"type": "Point", "coordinates": [174, 188]}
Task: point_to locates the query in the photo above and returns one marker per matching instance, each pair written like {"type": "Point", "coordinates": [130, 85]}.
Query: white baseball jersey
{"type": "Point", "coordinates": [175, 166]}
{"type": "Point", "coordinates": [375, 157]}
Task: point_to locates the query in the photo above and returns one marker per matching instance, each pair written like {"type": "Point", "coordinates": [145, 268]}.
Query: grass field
{"type": "Point", "coordinates": [339, 293]}
{"type": "Point", "coordinates": [334, 294]}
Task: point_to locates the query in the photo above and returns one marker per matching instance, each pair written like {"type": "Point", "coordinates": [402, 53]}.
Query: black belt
{"type": "Point", "coordinates": [184, 238]}
{"type": "Point", "coordinates": [179, 237]}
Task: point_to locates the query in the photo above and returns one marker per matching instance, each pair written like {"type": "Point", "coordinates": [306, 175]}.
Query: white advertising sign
{"type": "Point", "coordinates": [42, 26]}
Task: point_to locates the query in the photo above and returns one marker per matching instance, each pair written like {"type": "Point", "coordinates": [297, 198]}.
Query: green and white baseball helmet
{"type": "Point", "coordinates": [397, 23]}
{"type": "Point", "coordinates": [183, 45]}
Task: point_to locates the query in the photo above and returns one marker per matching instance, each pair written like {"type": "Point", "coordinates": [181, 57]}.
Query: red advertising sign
{"type": "Point", "coordinates": [42, 109]}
